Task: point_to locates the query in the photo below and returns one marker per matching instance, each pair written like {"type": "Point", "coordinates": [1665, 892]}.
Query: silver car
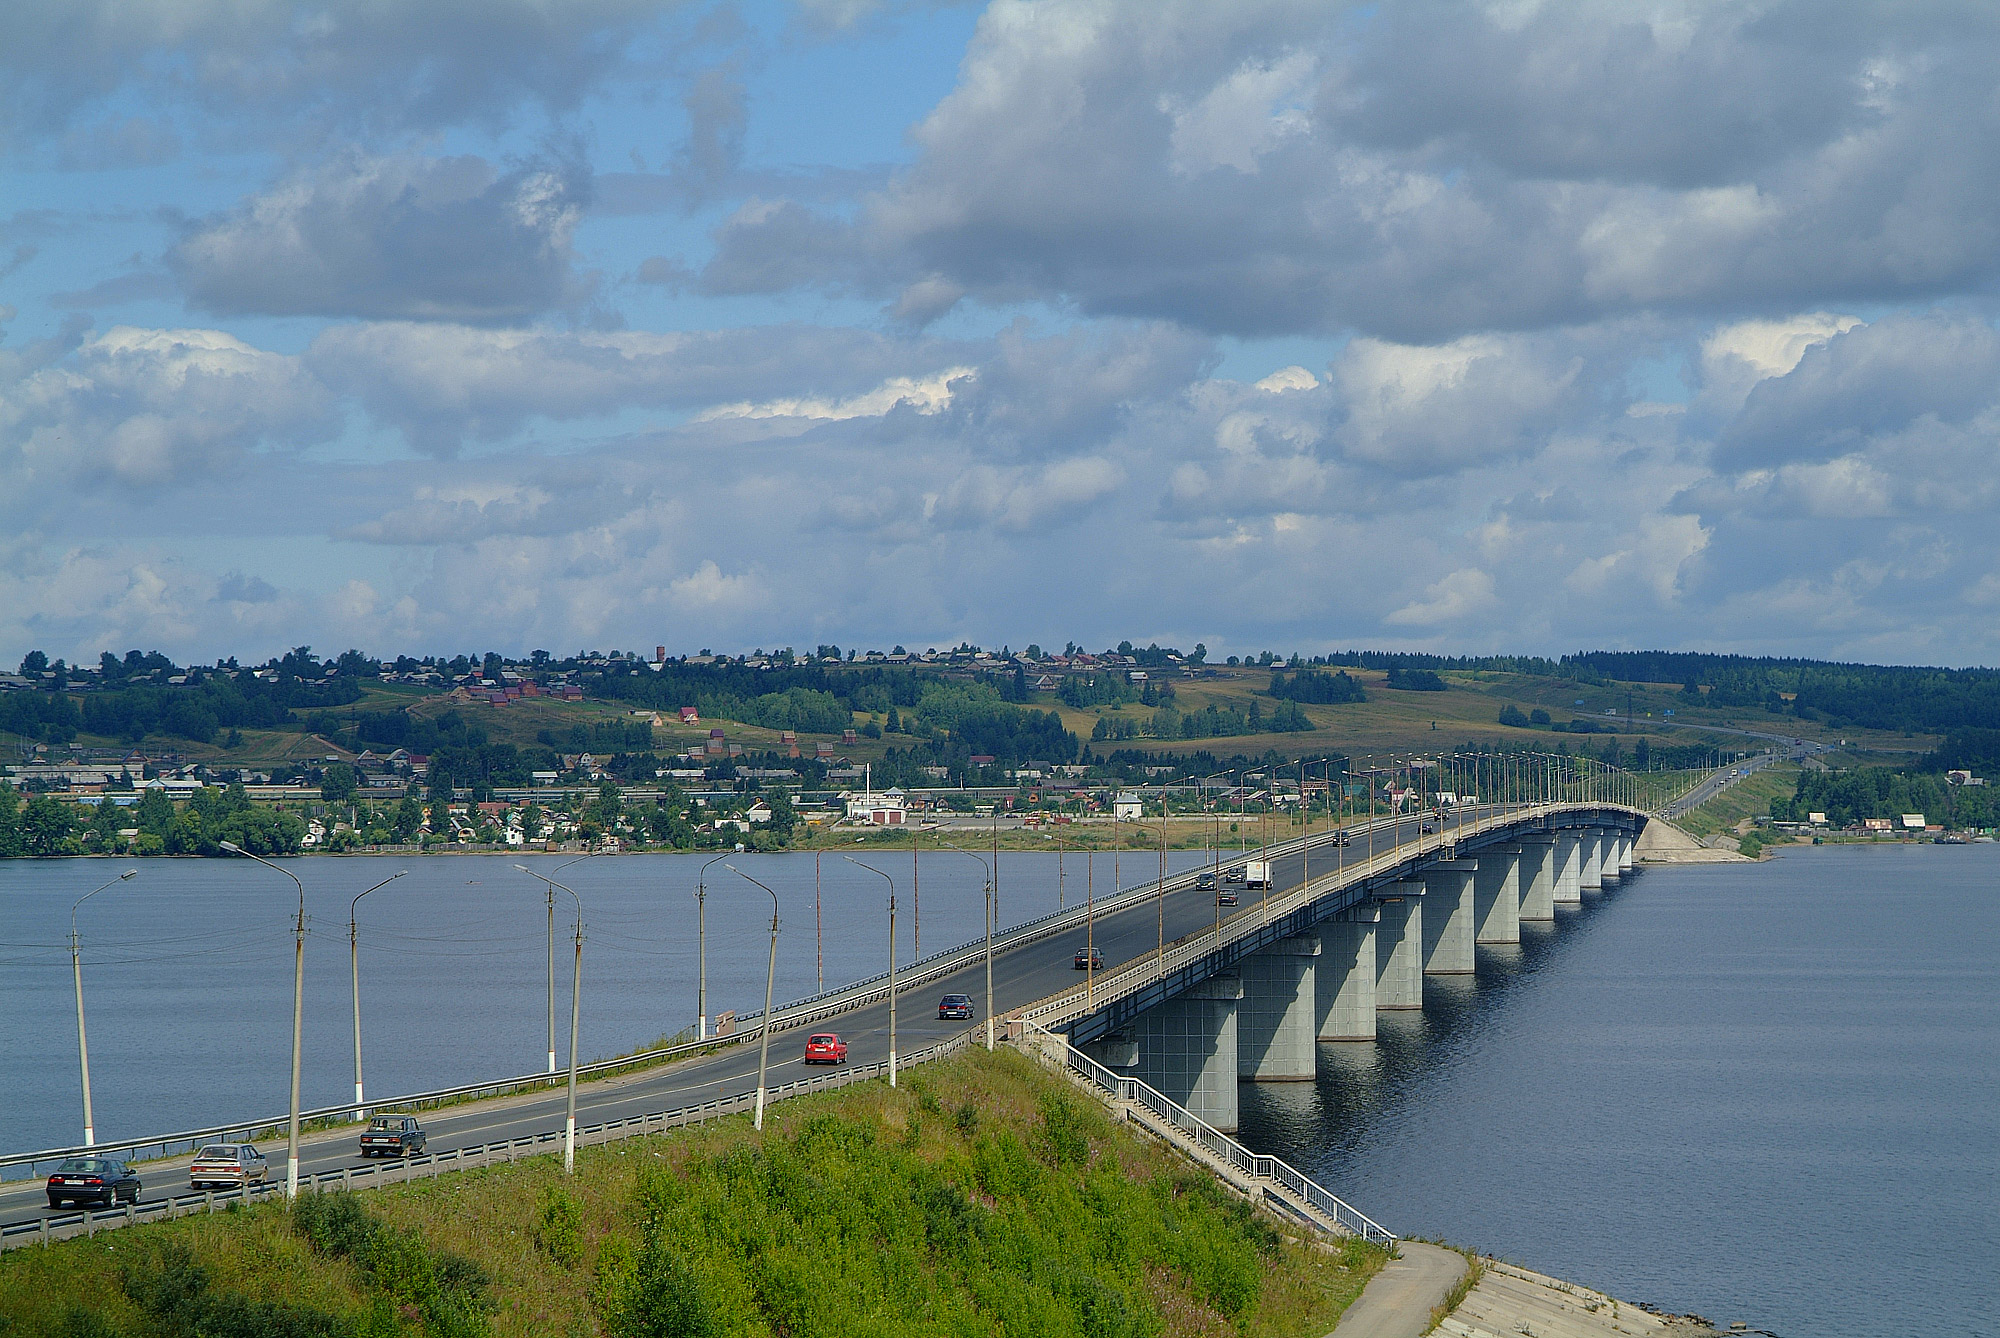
{"type": "Point", "coordinates": [226, 1166]}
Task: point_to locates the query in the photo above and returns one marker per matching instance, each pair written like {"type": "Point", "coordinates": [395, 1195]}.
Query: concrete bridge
{"type": "Point", "coordinates": [1353, 935]}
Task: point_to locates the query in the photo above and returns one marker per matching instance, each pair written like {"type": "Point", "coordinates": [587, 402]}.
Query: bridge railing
{"type": "Point", "coordinates": [1325, 1207]}
{"type": "Point", "coordinates": [1082, 999]}
{"type": "Point", "coordinates": [56, 1226]}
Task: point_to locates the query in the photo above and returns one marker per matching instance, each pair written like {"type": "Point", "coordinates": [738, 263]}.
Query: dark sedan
{"type": "Point", "coordinates": [93, 1180]}
{"type": "Point", "coordinates": [955, 1005]}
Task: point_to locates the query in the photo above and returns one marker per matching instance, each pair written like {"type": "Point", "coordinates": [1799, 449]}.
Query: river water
{"type": "Point", "coordinates": [1761, 1092]}
{"type": "Point", "coordinates": [187, 968]}
{"type": "Point", "coordinates": [1767, 1093]}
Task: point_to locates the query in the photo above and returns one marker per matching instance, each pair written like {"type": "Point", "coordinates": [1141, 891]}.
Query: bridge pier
{"type": "Point", "coordinates": [1399, 946]}
{"type": "Point", "coordinates": [1187, 1048]}
{"type": "Point", "coordinates": [1591, 877]}
{"type": "Point", "coordinates": [1610, 868]}
{"type": "Point", "coordinates": [1344, 975]}
{"type": "Point", "coordinates": [1538, 878]}
{"type": "Point", "coordinates": [1569, 867]}
{"type": "Point", "coordinates": [1626, 840]}
{"type": "Point", "coordinates": [1277, 1022]}
{"type": "Point", "coordinates": [1448, 911]}
{"type": "Point", "coordinates": [1496, 895]}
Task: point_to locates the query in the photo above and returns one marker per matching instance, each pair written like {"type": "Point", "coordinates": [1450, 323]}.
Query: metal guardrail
{"type": "Point", "coordinates": [1082, 999]}
{"type": "Point", "coordinates": [1321, 1206]}
{"type": "Point", "coordinates": [56, 1226]}
{"type": "Point", "coordinates": [800, 1013]}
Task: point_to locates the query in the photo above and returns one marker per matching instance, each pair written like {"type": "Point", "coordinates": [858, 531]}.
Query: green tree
{"type": "Point", "coordinates": [336, 784]}
{"type": "Point", "coordinates": [46, 826]}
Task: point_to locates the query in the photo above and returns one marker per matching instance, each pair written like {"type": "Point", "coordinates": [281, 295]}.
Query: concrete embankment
{"type": "Point", "coordinates": [1510, 1301]}
{"type": "Point", "coordinates": [1663, 843]}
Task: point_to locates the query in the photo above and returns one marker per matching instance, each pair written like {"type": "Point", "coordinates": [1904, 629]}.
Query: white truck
{"type": "Point", "coordinates": [1256, 873]}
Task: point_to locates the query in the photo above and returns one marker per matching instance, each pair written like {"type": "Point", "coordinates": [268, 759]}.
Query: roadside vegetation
{"type": "Point", "coordinates": [982, 1197]}
{"type": "Point", "coordinates": [1751, 797]}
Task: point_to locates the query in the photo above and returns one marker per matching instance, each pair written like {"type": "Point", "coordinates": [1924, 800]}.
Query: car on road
{"type": "Point", "coordinates": [1204, 882]}
{"type": "Point", "coordinates": [1430, 829]}
{"type": "Point", "coordinates": [92, 1180]}
{"type": "Point", "coordinates": [1226, 897]}
{"type": "Point", "coordinates": [226, 1166]}
{"type": "Point", "coordinates": [1341, 838]}
{"type": "Point", "coordinates": [825, 1048]}
{"type": "Point", "coordinates": [955, 1005]}
{"type": "Point", "coordinates": [1233, 875]}
{"type": "Point", "coordinates": [393, 1136]}
{"type": "Point", "coordinates": [1089, 959]}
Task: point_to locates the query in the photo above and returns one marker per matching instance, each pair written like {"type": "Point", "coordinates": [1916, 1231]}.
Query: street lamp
{"type": "Point", "coordinates": [892, 958]}
{"type": "Point", "coordinates": [701, 937]}
{"type": "Point", "coordinates": [575, 1002]}
{"type": "Point", "coordinates": [989, 934]}
{"type": "Point", "coordinates": [770, 976]}
{"type": "Point", "coordinates": [354, 975]}
{"type": "Point", "coordinates": [552, 945]}
{"type": "Point", "coordinates": [76, 970]}
{"type": "Point", "coordinates": [298, 1017]}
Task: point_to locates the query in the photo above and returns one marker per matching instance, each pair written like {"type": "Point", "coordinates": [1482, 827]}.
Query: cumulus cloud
{"type": "Point", "coordinates": [1865, 382]}
{"type": "Point", "coordinates": [394, 238]}
{"type": "Point", "coordinates": [442, 384]}
{"type": "Point", "coordinates": [149, 408]}
{"type": "Point", "coordinates": [347, 65]}
{"type": "Point", "coordinates": [1565, 163]}
{"type": "Point", "coordinates": [1453, 599]}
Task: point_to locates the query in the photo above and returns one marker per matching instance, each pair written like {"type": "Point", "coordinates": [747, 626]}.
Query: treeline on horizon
{"type": "Point", "coordinates": [952, 716]}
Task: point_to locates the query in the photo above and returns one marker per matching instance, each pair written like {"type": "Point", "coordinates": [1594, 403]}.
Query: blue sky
{"type": "Point", "coordinates": [1519, 326]}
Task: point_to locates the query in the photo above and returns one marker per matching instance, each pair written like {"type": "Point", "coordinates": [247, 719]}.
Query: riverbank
{"type": "Point", "coordinates": [982, 1196]}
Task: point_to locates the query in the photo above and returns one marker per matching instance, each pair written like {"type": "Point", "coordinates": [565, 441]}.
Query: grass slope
{"type": "Point", "coordinates": [1749, 798]}
{"type": "Point", "coordinates": [983, 1197]}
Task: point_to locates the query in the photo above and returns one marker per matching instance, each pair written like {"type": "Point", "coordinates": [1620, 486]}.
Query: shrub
{"type": "Point", "coordinates": [559, 1233]}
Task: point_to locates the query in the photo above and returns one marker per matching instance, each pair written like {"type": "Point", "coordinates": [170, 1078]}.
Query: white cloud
{"type": "Point", "coordinates": [1243, 117]}
{"type": "Point", "coordinates": [925, 395]}
{"type": "Point", "coordinates": [1463, 594]}
{"type": "Point", "coordinates": [155, 407]}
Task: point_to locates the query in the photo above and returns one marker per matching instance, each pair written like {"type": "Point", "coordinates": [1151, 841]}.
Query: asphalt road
{"type": "Point", "coordinates": [1790, 750]}
{"type": "Point", "coordinates": [1021, 976]}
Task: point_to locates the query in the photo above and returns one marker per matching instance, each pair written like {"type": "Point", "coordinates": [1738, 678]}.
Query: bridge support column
{"type": "Point", "coordinates": [1569, 867]}
{"type": "Point", "coordinates": [1590, 877]}
{"type": "Point", "coordinates": [1538, 878]}
{"type": "Point", "coordinates": [1496, 896]}
{"type": "Point", "coordinates": [1609, 867]}
{"type": "Point", "coordinates": [1187, 1049]}
{"type": "Point", "coordinates": [1344, 975]}
{"type": "Point", "coordinates": [1448, 917]}
{"type": "Point", "coordinates": [1625, 842]}
{"type": "Point", "coordinates": [1399, 946]}
{"type": "Point", "coordinates": [1277, 1022]}
{"type": "Point", "coordinates": [1116, 1051]}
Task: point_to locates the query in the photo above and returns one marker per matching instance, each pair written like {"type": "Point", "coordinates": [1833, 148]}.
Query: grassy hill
{"type": "Point", "coordinates": [983, 1197]}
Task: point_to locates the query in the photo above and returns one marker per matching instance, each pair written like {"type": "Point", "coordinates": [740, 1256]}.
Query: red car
{"type": "Point", "coordinates": [826, 1048]}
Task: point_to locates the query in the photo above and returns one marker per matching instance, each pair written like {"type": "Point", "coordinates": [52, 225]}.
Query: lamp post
{"type": "Point", "coordinates": [989, 934]}
{"type": "Point", "coordinates": [770, 976]}
{"type": "Point", "coordinates": [552, 945]}
{"type": "Point", "coordinates": [892, 958]}
{"type": "Point", "coordinates": [298, 1017]}
{"type": "Point", "coordinates": [575, 1002]}
{"type": "Point", "coordinates": [354, 978]}
{"type": "Point", "coordinates": [701, 938]}
{"type": "Point", "coordinates": [76, 970]}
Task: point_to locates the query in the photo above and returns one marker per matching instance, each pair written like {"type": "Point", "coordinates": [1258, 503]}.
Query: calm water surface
{"type": "Point", "coordinates": [1757, 1092]}
{"type": "Point", "coordinates": [188, 967]}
